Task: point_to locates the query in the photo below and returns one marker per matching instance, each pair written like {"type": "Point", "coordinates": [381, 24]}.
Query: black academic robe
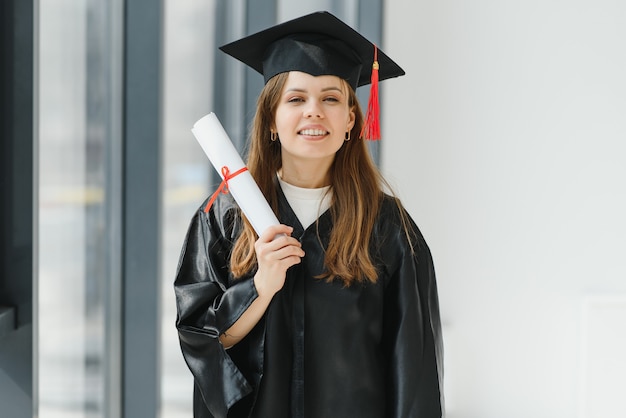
{"type": "Point", "coordinates": [322, 350]}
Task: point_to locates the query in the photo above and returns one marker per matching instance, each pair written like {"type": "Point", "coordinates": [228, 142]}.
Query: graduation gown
{"type": "Point", "coordinates": [322, 349]}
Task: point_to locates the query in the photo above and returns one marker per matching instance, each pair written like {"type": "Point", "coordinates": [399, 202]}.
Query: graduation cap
{"type": "Point", "coordinates": [319, 44]}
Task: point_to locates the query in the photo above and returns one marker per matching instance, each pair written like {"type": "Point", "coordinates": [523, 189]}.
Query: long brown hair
{"type": "Point", "coordinates": [356, 186]}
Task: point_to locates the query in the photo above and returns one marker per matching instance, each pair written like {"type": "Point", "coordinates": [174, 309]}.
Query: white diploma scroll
{"type": "Point", "coordinates": [218, 147]}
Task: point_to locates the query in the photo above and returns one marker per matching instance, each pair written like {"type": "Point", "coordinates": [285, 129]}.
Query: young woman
{"type": "Point", "coordinates": [334, 312]}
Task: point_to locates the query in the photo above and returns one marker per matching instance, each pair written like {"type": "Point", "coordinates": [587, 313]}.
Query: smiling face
{"type": "Point", "coordinates": [312, 118]}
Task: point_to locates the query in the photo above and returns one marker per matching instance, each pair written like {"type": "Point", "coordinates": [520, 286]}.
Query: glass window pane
{"type": "Point", "coordinates": [78, 91]}
{"type": "Point", "coordinates": [188, 82]}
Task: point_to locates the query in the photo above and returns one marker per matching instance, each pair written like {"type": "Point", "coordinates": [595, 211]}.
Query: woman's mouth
{"type": "Point", "coordinates": [313, 132]}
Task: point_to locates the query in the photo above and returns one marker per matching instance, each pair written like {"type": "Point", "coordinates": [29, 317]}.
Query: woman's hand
{"type": "Point", "coordinates": [276, 251]}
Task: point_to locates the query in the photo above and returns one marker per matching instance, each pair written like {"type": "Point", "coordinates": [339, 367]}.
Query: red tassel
{"type": "Point", "coordinates": [371, 127]}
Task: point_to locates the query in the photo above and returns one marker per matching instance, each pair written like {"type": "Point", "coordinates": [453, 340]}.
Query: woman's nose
{"type": "Point", "coordinates": [312, 110]}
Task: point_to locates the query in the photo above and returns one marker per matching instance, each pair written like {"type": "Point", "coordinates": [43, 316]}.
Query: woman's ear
{"type": "Point", "coordinates": [351, 119]}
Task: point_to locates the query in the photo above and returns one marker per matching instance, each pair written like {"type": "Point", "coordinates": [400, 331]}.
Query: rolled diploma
{"type": "Point", "coordinates": [216, 144]}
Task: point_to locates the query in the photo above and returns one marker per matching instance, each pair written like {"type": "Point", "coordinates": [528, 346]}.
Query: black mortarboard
{"type": "Point", "coordinates": [319, 44]}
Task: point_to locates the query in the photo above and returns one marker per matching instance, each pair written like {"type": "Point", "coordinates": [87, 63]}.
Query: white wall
{"type": "Point", "coordinates": [507, 142]}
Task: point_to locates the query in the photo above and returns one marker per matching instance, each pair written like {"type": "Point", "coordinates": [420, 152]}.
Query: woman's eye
{"type": "Point", "coordinates": [295, 100]}
{"type": "Point", "coordinates": [331, 99]}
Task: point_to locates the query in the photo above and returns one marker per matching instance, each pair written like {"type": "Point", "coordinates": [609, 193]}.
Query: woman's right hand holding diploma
{"type": "Point", "coordinates": [276, 251]}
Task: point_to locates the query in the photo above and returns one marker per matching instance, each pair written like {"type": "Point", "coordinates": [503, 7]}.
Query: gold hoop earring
{"type": "Point", "coordinates": [273, 136]}
{"type": "Point", "coordinates": [347, 136]}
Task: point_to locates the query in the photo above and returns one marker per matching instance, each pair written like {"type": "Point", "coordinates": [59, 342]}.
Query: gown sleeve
{"type": "Point", "coordinates": [413, 330]}
{"type": "Point", "coordinates": [208, 303]}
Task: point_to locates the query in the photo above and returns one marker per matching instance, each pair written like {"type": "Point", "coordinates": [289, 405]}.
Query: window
{"type": "Point", "coordinates": [79, 193]}
{"type": "Point", "coordinates": [188, 81]}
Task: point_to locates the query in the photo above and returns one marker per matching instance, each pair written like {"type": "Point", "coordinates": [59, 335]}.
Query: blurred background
{"type": "Point", "coordinates": [506, 141]}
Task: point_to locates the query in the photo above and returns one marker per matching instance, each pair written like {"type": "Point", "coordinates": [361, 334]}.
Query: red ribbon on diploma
{"type": "Point", "coordinates": [223, 187]}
